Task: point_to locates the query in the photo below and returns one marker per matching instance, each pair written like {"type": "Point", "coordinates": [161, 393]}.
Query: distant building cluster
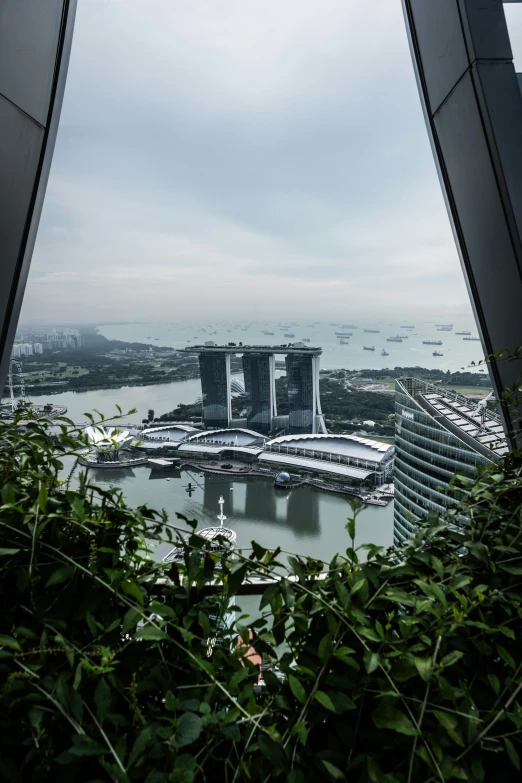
{"type": "Point", "coordinates": [29, 345]}
{"type": "Point", "coordinates": [26, 349]}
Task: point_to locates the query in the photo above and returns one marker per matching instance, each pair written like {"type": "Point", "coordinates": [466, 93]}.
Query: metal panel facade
{"type": "Point", "coordinates": [473, 110]}
{"type": "Point", "coordinates": [35, 42]}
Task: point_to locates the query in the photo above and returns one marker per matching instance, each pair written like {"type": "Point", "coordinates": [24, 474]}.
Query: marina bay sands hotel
{"type": "Point", "coordinates": [302, 369]}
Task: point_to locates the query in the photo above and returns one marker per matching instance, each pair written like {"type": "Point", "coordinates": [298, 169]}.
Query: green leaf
{"type": "Point", "coordinates": [451, 658]}
{"type": "Point", "coordinates": [324, 700]}
{"type": "Point", "coordinates": [8, 641]}
{"type": "Point", "coordinates": [325, 645]}
{"type": "Point", "coordinates": [6, 551]}
{"type": "Point", "coordinates": [77, 507]}
{"type": "Point", "coordinates": [341, 702]}
{"type": "Point", "coordinates": [171, 703]}
{"type": "Point", "coordinates": [506, 631]}
{"type": "Point", "coordinates": [151, 634]}
{"type": "Point", "coordinates": [42, 499]}
{"type": "Point", "coordinates": [437, 566]}
{"type": "Point", "coordinates": [259, 551]}
{"type": "Point", "coordinates": [450, 723]}
{"type": "Point", "coordinates": [272, 750]}
{"type": "Point", "coordinates": [388, 717]}
{"type": "Point", "coordinates": [86, 746]}
{"type": "Point", "coordinates": [495, 683]}
{"type": "Point", "coordinates": [131, 588]}
{"type": "Point", "coordinates": [514, 570]}
{"type": "Point", "coordinates": [139, 746]}
{"type": "Point", "coordinates": [424, 667]}
{"type": "Point", "coordinates": [334, 771]}
{"type": "Point", "coordinates": [512, 753]}
{"type": "Point", "coordinates": [507, 657]}
{"type": "Point", "coordinates": [61, 575]}
{"type": "Point", "coordinates": [297, 688]}
{"type": "Point", "coordinates": [131, 619]}
{"type": "Point", "coordinates": [102, 698]}
{"type": "Point", "coordinates": [188, 729]}
{"type": "Point", "coordinates": [371, 661]}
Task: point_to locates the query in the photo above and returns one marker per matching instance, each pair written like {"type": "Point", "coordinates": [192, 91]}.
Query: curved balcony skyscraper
{"type": "Point", "coordinates": [437, 433]}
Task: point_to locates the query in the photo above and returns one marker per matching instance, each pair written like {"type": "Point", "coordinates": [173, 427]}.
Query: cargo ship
{"type": "Point", "coordinates": [432, 342]}
{"type": "Point", "coordinates": [394, 339]}
{"type": "Point", "coordinates": [462, 332]}
{"type": "Point", "coordinates": [372, 331]}
{"type": "Point", "coordinates": [472, 339]}
{"type": "Point", "coordinates": [437, 353]}
{"type": "Point", "coordinates": [367, 348]}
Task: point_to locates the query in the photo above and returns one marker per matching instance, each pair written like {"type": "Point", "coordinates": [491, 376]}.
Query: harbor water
{"type": "Point", "coordinates": [457, 353]}
{"type": "Point", "coordinates": [303, 520]}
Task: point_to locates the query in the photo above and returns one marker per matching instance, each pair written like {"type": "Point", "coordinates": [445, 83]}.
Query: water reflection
{"type": "Point", "coordinates": [110, 475]}
{"type": "Point", "coordinates": [303, 520]}
{"type": "Point", "coordinates": [303, 509]}
{"type": "Point", "coordinates": [260, 504]}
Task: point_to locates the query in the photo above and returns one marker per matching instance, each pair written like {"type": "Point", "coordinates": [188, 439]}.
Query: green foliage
{"type": "Point", "coordinates": [397, 666]}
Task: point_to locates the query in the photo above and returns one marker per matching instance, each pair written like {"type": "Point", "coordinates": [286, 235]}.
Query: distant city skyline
{"type": "Point", "coordinates": [266, 160]}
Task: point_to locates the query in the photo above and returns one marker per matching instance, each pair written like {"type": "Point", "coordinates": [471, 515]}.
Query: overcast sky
{"type": "Point", "coordinates": [260, 157]}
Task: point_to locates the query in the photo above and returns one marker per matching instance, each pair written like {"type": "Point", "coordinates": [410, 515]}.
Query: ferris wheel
{"type": "Point", "coordinates": [16, 367]}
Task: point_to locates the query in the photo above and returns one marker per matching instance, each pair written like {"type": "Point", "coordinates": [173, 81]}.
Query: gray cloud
{"type": "Point", "coordinates": [270, 157]}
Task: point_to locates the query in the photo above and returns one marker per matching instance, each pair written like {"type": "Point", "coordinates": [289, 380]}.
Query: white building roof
{"type": "Point", "coordinates": [170, 431]}
{"type": "Point", "coordinates": [316, 465]}
{"type": "Point", "coordinates": [346, 445]}
{"type": "Point", "coordinates": [227, 437]}
{"type": "Point", "coordinates": [206, 448]}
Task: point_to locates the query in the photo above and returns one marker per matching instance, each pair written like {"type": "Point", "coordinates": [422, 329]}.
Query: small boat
{"type": "Point", "coordinates": [463, 333]}
{"type": "Point", "coordinates": [366, 348]}
{"type": "Point", "coordinates": [437, 353]}
{"type": "Point", "coordinates": [384, 352]}
{"type": "Point", "coordinates": [472, 339]}
{"type": "Point", "coordinates": [372, 331]}
{"type": "Point", "coordinates": [344, 342]}
{"type": "Point", "coordinates": [288, 334]}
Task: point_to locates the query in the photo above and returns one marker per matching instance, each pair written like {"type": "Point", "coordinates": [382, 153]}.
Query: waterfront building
{"type": "Point", "coordinates": [437, 434]}
{"type": "Point", "coordinates": [214, 370]}
{"type": "Point", "coordinates": [259, 375]}
{"type": "Point", "coordinates": [227, 443]}
{"type": "Point", "coordinates": [302, 364]}
{"type": "Point", "coordinates": [350, 458]}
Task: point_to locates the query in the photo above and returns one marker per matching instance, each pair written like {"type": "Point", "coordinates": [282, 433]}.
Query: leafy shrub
{"type": "Point", "coordinates": [398, 666]}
